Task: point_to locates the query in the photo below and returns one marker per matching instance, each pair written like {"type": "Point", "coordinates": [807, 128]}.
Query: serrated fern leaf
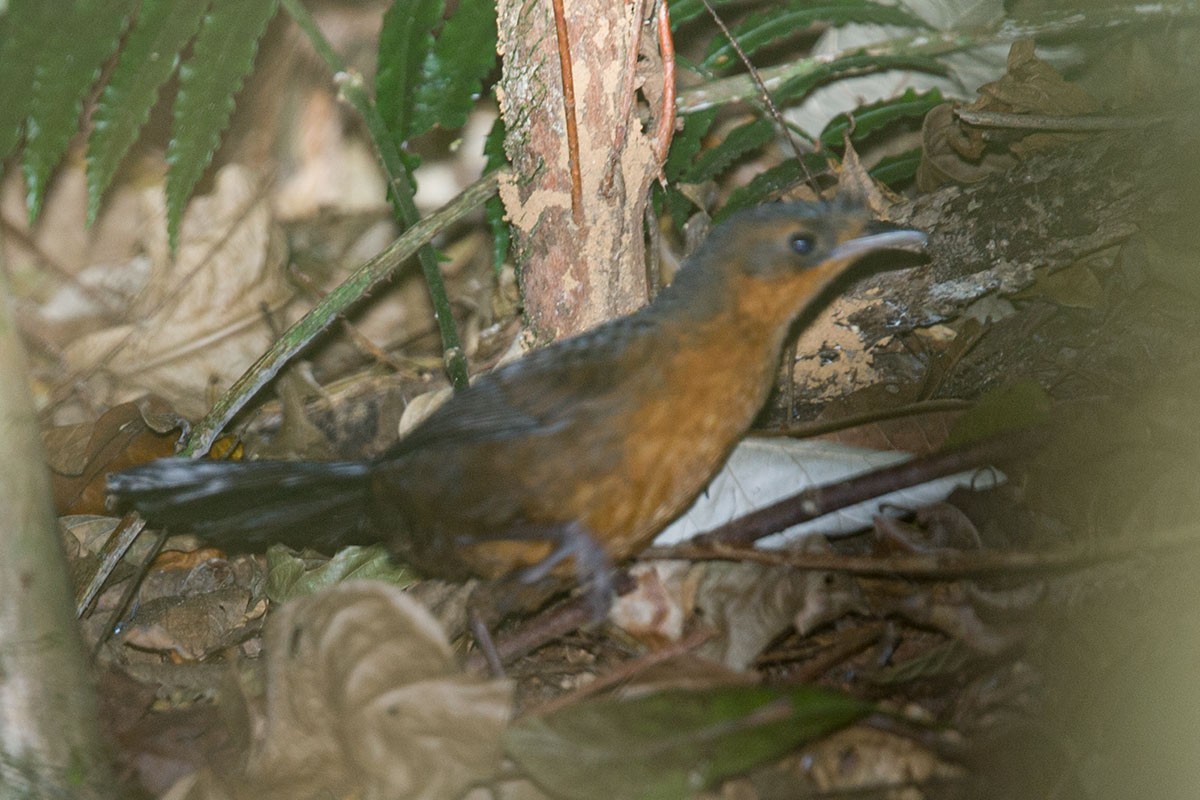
{"type": "Point", "coordinates": [768, 27]}
{"type": "Point", "coordinates": [870, 118]}
{"type": "Point", "coordinates": [148, 59]}
{"type": "Point", "coordinates": [737, 143]}
{"type": "Point", "coordinates": [770, 184]}
{"type": "Point", "coordinates": [687, 142]}
{"type": "Point", "coordinates": [222, 55]}
{"type": "Point", "coordinates": [854, 64]}
{"type": "Point", "coordinates": [684, 11]}
{"type": "Point", "coordinates": [897, 169]}
{"type": "Point", "coordinates": [68, 62]}
{"type": "Point", "coordinates": [453, 73]}
{"type": "Point", "coordinates": [405, 42]}
{"type": "Point", "coordinates": [27, 25]}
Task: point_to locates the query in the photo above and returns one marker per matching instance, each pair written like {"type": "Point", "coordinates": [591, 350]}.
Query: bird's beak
{"type": "Point", "coordinates": [881, 236]}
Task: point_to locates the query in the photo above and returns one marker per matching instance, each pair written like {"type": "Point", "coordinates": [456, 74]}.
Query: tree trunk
{"type": "Point", "coordinates": [578, 223]}
{"type": "Point", "coordinates": [48, 727]}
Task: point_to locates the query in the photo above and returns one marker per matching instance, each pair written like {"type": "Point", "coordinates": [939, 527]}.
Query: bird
{"type": "Point", "coordinates": [570, 459]}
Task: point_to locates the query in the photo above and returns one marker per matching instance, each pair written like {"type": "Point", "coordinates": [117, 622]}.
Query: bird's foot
{"type": "Point", "coordinates": [593, 570]}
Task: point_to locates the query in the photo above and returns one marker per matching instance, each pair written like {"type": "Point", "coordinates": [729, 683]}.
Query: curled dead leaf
{"type": "Point", "coordinates": [199, 321]}
{"type": "Point", "coordinates": [748, 605]}
{"type": "Point", "coordinates": [954, 152]}
{"type": "Point", "coordinates": [365, 699]}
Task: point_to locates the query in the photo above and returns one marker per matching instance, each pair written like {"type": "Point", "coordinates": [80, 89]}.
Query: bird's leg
{"type": "Point", "coordinates": [492, 601]}
{"type": "Point", "coordinates": [482, 634]}
{"type": "Point", "coordinates": [593, 570]}
{"type": "Point", "coordinates": [533, 586]}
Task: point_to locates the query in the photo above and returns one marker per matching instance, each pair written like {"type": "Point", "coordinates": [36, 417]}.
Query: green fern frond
{"type": "Point", "coordinates": [222, 55]}
{"type": "Point", "coordinates": [149, 57]}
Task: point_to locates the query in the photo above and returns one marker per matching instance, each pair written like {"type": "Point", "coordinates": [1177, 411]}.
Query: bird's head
{"type": "Point", "coordinates": [771, 262]}
{"type": "Point", "coordinates": [816, 241]}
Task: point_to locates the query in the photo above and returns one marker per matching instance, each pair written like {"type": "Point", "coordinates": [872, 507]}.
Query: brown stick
{"type": "Point", "coordinates": [818, 501]}
{"type": "Point", "coordinates": [664, 131]}
{"type": "Point", "coordinates": [624, 672]}
{"type": "Point", "coordinates": [568, 83]}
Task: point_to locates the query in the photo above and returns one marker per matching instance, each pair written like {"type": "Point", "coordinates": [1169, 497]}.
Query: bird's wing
{"type": "Point", "coordinates": [543, 391]}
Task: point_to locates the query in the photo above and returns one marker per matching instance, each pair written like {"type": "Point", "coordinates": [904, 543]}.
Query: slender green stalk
{"type": "Point", "coordinates": [353, 289]}
{"type": "Point", "coordinates": [353, 91]}
{"type": "Point", "coordinates": [939, 43]}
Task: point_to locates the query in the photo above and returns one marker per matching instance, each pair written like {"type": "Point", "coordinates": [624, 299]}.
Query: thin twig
{"type": "Point", "coordinates": [547, 626]}
{"type": "Point", "coordinates": [624, 673]}
{"type": "Point", "coordinates": [568, 87]}
{"type": "Point", "coordinates": [135, 582]}
{"type": "Point", "coordinates": [847, 645]}
{"type": "Point", "coordinates": [353, 289]}
{"type": "Point", "coordinates": [664, 130]}
{"type": "Point", "coordinates": [1054, 122]}
{"type": "Point", "coordinates": [765, 96]}
{"type": "Point", "coordinates": [128, 529]}
{"type": "Point", "coordinates": [817, 501]}
{"type": "Point", "coordinates": [948, 565]}
{"type": "Point", "coordinates": [805, 430]}
{"type": "Point", "coordinates": [351, 88]}
{"type": "Point", "coordinates": [550, 624]}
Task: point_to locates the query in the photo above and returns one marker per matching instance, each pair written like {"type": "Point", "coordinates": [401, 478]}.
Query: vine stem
{"type": "Point", "coordinates": [568, 86]}
{"type": "Point", "coordinates": [939, 43]}
{"type": "Point", "coordinates": [350, 291]}
{"type": "Point", "coordinates": [351, 88]}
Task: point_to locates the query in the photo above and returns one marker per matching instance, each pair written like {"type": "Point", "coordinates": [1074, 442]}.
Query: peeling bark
{"type": "Point", "coordinates": [575, 276]}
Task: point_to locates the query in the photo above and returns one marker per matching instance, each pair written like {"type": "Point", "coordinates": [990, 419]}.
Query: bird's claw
{"type": "Point", "coordinates": [592, 567]}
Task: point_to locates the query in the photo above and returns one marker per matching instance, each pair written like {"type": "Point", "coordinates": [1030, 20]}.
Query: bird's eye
{"type": "Point", "coordinates": [802, 243]}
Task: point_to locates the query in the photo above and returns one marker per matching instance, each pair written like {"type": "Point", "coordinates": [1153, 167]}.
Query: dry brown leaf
{"type": "Point", "coordinates": [1076, 286]}
{"type": "Point", "coordinates": [953, 153]}
{"type": "Point", "coordinates": [747, 604]}
{"type": "Point", "coordinates": [193, 627]}
{"type": "Point", "coordinates": [81, 455]}
{"type": "Point", "coordinates": [957, 153]}
{"type": "Point", "coordinates": [1031, 86]}
{"type": "Point", "coordinates": [199, 322]}
{"type": "Point", "coordinates": [862, 758]}
{"type": "Point", "coordinates": [366, 699]}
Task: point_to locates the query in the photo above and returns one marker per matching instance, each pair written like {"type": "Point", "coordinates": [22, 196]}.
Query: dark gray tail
{"type": "Point", "coordinates": [248, 505]}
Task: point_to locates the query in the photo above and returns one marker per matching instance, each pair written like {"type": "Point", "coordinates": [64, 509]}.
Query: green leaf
{"type": "Point", "coordinates": [871, 118]}
{"type": "Point", "coordinates": [684, 11]}
{"type": "Point", "coordinates": [148, 59]}
{"type": "Point", "coordinates": [453, 72]}
{"type": "Point", "coordinates": [27, 26]}
{"type": "Point", "coordinates": [897, 169]}
{"type": "Point", "coordinates": [1015, 406]}
{"type": "Point", "coordinates": [68, 63]}
{"type": "Point", "coordinates": [684, 147]}
{"type": "Point", "coordinates": [222, 55]}
{"type": "Point", "coordinates": [674, 203]}
{"type": "Point", "coordinates": [739, 141]}
{"type": "Point", "coordinates": [780, 22]}
{"type": "Point", "coordinates": [291, 575]}
{"type": "Point", "coordinates": [405, 42]}
{"type": "Point", "coordinates": [671, 744]}
{"type": "Point", "coordinates": [687, 142]}
{"type": "Point", "coordinates": [493, 149]}
{"type": "Point", "coordinates": [770, 183]}
{"type": "Point", "coordinates": [796, 88]}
